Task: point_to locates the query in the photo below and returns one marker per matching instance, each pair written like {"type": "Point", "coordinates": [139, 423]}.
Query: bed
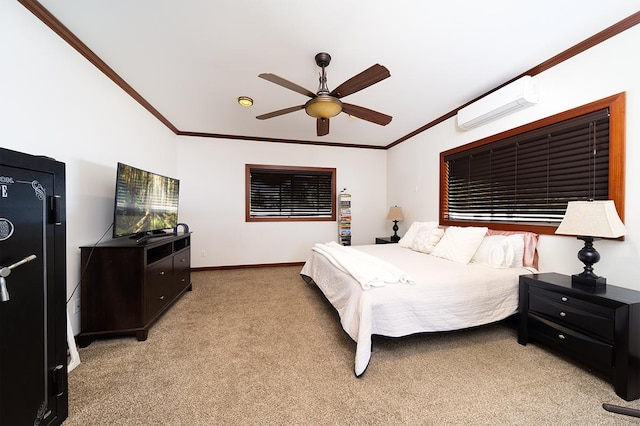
{"type": "Point", "coordinates": [425, 287]}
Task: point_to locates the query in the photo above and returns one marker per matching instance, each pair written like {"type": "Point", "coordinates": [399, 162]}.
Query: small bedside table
{"type": "Point", "coordinates": [385, 240]}
{"type": "Point", "coordinates": [599, 328]}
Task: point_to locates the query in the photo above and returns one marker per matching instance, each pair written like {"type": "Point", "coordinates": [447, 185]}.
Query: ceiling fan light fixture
{"type": "Point", "coordinates": [323, 106]}
{"type": "Point", "coordinates": [245, 101]}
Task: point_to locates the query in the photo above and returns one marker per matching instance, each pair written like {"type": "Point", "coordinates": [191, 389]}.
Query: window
{"type": "Point", "coordinates": [524, 178]}
{"type": "Point", "coordinates": [284, 193]}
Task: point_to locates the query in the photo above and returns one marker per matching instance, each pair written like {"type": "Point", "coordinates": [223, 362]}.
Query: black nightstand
{"type": "Point", "coordinates": [385, 240]}
{"type": "Point", "coordinates": [599, 328]}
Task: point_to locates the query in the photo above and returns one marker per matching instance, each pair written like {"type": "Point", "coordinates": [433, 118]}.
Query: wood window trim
{"type": "Point", "coordinates": [616, 104]}
{"type": "Point", "coordinates": [249, 218]}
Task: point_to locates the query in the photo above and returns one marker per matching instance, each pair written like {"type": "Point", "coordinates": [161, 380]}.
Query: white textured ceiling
{"type": "Point", "coordinates": [191, 59]}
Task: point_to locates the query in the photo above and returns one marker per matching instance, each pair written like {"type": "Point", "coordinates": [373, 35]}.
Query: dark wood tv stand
{"type": "Point", "coordinates": [126, 287]}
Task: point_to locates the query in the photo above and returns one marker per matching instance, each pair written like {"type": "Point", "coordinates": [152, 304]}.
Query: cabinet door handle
{"type": "Point", "coordinates": [183, 260]}
{"type": "Point", "coordinates": [161, 273]}
{"type": "Point", "coordinates": [561, 336]}
{"type": "Point", "coordinates": [564, 299]}
{"type": "Point", "coordinates": [161, 298]}
{"type": "Point", "coordinates": [563, 314]}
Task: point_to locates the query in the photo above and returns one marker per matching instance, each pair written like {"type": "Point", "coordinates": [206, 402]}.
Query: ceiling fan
{"type": "Point", "coordinates": [325, 104]}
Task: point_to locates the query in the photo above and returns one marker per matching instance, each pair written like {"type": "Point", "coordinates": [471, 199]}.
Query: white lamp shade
{"type": "Point", "coordinates": [592, 219]}
{"type": "Point", "coordinates": [395, 213]}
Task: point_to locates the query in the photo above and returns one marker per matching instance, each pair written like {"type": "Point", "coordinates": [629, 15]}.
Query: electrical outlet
{"type": "Point", "coordinates": [76, 306]}
{"type": "Point", "coordinates": [203, 253]}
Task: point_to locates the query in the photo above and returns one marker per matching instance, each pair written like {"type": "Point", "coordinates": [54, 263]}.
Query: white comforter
{"type": "Point", "coordinates": [445, 296]}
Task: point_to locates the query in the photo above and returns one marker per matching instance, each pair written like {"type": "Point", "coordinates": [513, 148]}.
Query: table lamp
{"type": "Point", "coordinates": [395, 214]}
{"type": "Point", "coordinates": [590, 221]}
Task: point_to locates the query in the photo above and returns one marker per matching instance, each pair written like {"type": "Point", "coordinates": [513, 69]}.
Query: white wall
{"type": "Point", "coordinates": [212, 200]}
{"type": "Point", "coordinates": [607, 69]}
{"type": "Point", "coordinates": [53, 102]}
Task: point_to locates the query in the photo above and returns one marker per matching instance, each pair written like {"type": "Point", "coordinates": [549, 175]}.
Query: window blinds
{"type": "Point", "coordinates": [285, 193]}
{"type": "Point", "coordinates": [530, 177]}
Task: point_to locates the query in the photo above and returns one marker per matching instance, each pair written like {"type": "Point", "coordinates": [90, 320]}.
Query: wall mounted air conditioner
{"type": "Point", "coordinates": [506, 100]}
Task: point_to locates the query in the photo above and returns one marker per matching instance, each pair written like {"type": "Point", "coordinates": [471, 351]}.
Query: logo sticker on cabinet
{"type": "Point", "coordinates": [6, 229]}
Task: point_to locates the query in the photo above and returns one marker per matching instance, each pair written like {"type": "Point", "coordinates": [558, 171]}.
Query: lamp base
{"type": "Point", "coordinates": [587, 279]}
{"type": "Point", "coordinates": [590, 281]}
{"type": "Point", "coordinates": [395, 237]}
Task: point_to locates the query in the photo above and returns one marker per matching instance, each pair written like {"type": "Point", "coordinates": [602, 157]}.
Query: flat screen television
{"type": "Point", "coordinates": [146, 204]}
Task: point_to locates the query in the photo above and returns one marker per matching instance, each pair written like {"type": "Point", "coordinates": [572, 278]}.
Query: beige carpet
{"type": "Point", "coordinates": [259, 346]}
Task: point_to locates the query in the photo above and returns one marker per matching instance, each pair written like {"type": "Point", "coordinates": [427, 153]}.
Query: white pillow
{"type": "Point", "coordinates": [494, 251]}
{"type": "Point", "coordinates": [517, 241]}
{"type": "Point", "coordinates": [426, 239]}
{"type": "Point", "coordinates": [407, 240]}
{"type": "Point", "coordinates": [500, 251]}
{"type": "Point", "coordinates": [459, 243]}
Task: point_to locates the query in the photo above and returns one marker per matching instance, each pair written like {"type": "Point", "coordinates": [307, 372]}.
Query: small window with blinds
{"type": "Point", "coordinates": [286, 193]}
{"type": "Point", "coordinates": [525, 179]}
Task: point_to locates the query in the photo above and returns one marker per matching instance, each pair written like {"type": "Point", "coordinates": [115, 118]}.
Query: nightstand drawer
{"type": "Point", "coordinates": [593, 352]}
{"type": "Point", "coordinates": [570, 314]}
{"type": "Point", "coordinates": [572, 301]}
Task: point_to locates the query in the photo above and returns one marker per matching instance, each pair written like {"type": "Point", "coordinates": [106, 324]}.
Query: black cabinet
{"type": "Point", "coordinates": [126, 287]}
{"type": "Point", "coordinates": [600, 328]}
{"type": "Point", "coordinates": [33, 338]}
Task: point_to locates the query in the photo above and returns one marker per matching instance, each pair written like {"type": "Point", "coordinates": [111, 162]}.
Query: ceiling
{"type": "Point", "coordinates": [191, 59]}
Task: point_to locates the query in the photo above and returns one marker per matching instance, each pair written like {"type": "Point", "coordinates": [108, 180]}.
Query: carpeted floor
{"type": "Point", "coordinates": [261, 347]}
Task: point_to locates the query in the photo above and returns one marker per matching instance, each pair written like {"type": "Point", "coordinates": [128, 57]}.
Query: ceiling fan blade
{"type": "Point", "coordinates": [322, 126]}
{"type": "Point", "coordinates": [280, 112]}
{"type": "Point", "coordinates": [286, 83]}
{"type": "Point", "coordinates": [366, 114]}
{"type": "Point", "coordinates": [366, 78]}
